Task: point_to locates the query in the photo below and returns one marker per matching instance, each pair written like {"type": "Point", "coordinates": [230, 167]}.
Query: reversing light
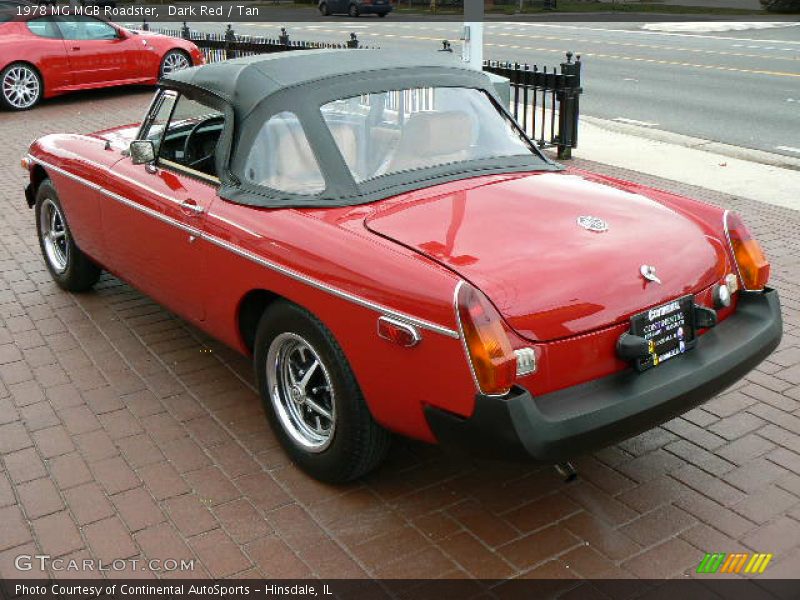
{"type": "Point", "coordinates": [493, 361]}
{"type": "Point", "coordinates": [526, 361]}
{"type": "Point", "coordinates": [750, 261]}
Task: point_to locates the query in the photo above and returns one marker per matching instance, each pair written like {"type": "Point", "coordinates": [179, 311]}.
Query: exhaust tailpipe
{"type": "Point", "coordinates": [566, 471]}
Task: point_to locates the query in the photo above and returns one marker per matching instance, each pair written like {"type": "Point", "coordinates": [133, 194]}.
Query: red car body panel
{"type": "Point", "coordinates": [510, 239]}
{"type": "Point", "coordinates": [329, 261]}
{"type": "Point", "coordinates": [72, 65]}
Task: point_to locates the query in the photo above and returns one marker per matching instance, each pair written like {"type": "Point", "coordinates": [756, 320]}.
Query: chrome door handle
{"type": "Point", "coordinates": [191, 208]}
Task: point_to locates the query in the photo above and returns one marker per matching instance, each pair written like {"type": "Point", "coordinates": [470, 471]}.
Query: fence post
{"type": "Point", "coordinates": [569, 106]}
{"type": "Point", "coordinates": [230, 40]}
{"type": "Point", "coordinates": [283, 38]}
{"type": "Point", "coordinates": [145, 26]}
{"type": "Point", "coordinates": [185, 33]}
{"type": "Point", "coordinates": [353, 41]}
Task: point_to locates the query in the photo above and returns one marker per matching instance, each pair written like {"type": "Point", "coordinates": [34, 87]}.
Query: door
{"type": "Point", "coordinates": [96, 50]}
{"type": "Point", "coordinates": [154, 235]}
{"type": "Point", "coordinates": [50, 51]}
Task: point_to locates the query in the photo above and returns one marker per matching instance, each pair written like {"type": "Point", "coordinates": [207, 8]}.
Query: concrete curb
{"type": "Point", "coordinates": [660, 135]}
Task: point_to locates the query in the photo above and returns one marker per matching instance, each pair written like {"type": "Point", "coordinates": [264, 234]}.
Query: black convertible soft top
{"type": "Point", "coordinates": [252, 89]}
{"type": "Point", "coordinates": [245, 82]}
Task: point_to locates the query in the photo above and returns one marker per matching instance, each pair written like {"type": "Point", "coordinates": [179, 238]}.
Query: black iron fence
{"type": "Point", "coordinates": [544, 101]}
{"type": "Point", "coordinates": [224, 46]}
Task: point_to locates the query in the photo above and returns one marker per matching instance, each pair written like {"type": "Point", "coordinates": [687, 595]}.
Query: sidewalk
{"type": "Point", "coordinates": [127, 434]}
{"type": "Point", "coordinates": [719, 167]}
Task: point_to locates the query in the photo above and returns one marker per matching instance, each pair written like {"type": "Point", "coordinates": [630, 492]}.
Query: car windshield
{"type": "Point", "coordinates": [402, 130]}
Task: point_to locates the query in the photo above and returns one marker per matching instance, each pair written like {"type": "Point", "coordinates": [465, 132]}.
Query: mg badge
{"type": "Point", "coordinates": [593, 223]}
{"type": "Point", "coordinates": [649, 273]}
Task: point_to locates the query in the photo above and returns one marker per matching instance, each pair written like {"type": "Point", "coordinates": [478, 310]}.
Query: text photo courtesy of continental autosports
{"type": "Point", "coordinates": [400, 298]}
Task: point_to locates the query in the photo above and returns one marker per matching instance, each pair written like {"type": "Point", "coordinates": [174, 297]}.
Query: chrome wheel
{"type": "Point", "coordinates": [301, 392]}
{"type": "Point", "coordinates": [55, 235]}
{"type": "Point", "coordinates": [174, 61]}
{"type": "Point", "coordinates": [21, 87]}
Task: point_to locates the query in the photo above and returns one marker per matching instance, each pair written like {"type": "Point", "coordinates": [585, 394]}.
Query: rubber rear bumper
{"type": "Point", "coordinates": [556, 427]}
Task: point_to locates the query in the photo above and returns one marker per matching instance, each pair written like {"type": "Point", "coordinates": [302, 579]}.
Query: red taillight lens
{"type": "Point", "coordinates": [750, 260]}
{"type": "Point", "coordinates": [493, 360]}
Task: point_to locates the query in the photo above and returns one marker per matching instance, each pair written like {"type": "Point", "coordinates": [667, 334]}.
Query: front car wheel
{"type": "Point", "coordinates": [174, 60]}
{"type": "Point", "coordinates": [21, 87]}
{"type": "Point", "coordinates": [70, 268]}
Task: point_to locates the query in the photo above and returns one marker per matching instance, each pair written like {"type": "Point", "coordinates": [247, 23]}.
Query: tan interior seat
{"type": "Point", "coordinates": [282, 158]}
{"type": "Point", "coordinates": [431, 138]}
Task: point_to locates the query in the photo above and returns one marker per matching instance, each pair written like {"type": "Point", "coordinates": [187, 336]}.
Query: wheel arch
{"type": "Point", "coordinates": [38, 175]}
{"type": "Point", "coordinates": [251, 307]}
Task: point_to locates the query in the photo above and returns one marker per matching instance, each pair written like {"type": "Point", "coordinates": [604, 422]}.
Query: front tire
{"type": "Point", "coordinates": [324, 10]}
{"type": "Point", "coordinates": [312, 399]}
{"type": "Point", "coordinates": [21, 87]}
{"type": "Point", "coordinates": [174, 60]}
{"type": "Point", "coordinates": [70, 268]}
{"type": "Point", "coordinates": [353, 12]}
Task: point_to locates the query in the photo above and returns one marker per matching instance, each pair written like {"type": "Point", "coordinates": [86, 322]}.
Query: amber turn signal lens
{"type": "Point", "coordinates": [26, 163]}
{"type": "Point", "coordinates": [750, 260]}
{"type": "Point", "coordinates": [493, 360]}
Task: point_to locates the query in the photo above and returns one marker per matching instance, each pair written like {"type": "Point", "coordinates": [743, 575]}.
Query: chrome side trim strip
{"type": "Point", "coordinates": [118, 198]}
{"type": "Point", "coordinates": [430, 326]}
{"type": "Point", "coordinates": [330, 289]}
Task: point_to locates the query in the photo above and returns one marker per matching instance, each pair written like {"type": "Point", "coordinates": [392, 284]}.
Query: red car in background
{"type": "Point", "coordinates": [44, 55]}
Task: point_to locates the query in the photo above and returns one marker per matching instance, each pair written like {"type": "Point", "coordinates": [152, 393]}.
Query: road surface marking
{"type": "Point", "coordinates": [634, 122]}
{"type": "Point", "coordinates": [579, 40]}
{"type": "Point", "coordinates": [640, 32]}
{"type": "Point", "coordinates": [788, 149]}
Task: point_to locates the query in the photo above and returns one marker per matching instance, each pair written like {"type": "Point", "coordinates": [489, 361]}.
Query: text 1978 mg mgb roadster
{"type": "Point", "coordinates": [396, 256]}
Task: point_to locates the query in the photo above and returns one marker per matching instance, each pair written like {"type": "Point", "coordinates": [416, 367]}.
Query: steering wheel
{"type": "Point", "coordinates": [204, 162]}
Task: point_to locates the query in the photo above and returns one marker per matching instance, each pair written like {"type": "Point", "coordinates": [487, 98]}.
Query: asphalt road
{"type": "Point", "coordinates": [740, 87]}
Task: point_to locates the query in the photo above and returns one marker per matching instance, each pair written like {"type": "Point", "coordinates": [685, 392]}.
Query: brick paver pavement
{"type": "Point", "coordinates": [125, 433]}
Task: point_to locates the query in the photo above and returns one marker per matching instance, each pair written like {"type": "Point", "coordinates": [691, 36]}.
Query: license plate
{"type": "Point", "coordinates": [670, 327]}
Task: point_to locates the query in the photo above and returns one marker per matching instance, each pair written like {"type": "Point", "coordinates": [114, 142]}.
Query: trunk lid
{"type": "Point", "coordinates": [518, 239]}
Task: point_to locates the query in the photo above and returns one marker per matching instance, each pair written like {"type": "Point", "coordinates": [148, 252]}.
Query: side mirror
{"type": "Point", "coordinates": [142, 152]}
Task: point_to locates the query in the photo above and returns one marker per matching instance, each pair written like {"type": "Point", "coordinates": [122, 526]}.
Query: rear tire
{"type": "Point", "coordinates": [353, 11]}
{"type": "Point", "coordinates": [302, 376]}
{"type": "Point", "coordinates": [382, 15]}
{"type": "Point", "coordinates": [21, 87]}
{"type": "Point", "coordinates": [70, 268]}
{"type": "Point", "coordinates": [324, 10]}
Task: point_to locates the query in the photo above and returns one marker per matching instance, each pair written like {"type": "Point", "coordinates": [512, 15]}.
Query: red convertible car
{"type": "Point", "coordinates": [44, 55]}
{"type": "Point", "coordinates": [376, 232]}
